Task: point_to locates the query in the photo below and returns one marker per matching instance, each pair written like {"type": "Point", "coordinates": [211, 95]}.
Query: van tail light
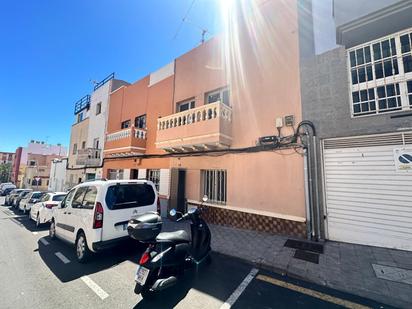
{"type": "Point", "coordinates": [49, 206]}
{"type": "Point", "coordinates": [158, 205]}
{"type": "Point", "coordinates": [98, 216]}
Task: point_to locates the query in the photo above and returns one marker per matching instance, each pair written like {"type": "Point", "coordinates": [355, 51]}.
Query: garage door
{"type": "Point", "coordinates": [368, 187]}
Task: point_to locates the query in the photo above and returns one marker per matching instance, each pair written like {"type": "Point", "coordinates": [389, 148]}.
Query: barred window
{"type": "Point", "coordinates": [154, 176]}
{"type": "Point", "coordinates": [378, 75]}
{"type": "Point", "coordinates": [215, 185]}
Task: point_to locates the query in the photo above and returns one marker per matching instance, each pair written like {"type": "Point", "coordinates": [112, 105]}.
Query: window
{"type": "Point", "coordinates": [410, 92]}
{"type": "Point", "coordinates": [184, 106]}
{"type": "Point", "coordinates": [90, 198]}
{"type": "Point", "coordinates": [125, 124]}
{"type": "Point", "coordinates": [154, 176]}
{"type": "Point", "coordinates": [34, 182]}
{"type": "Point", "coordinates": [74, 149]}
{"type": "Point", "coordinates": [406, 47]}
{"type": "Point", "coordinates": [215, 185]}
{"type": "Point", "coordinates": [67, 200]}
{"type": "Point", "coordinates": [78, 197]}
{"type": "Point", "coordinates": [83, 144]}
{"type": "Point", "coordinates": [378, 73]}
{"type": "Point", "coordinates": [124, 196]}
{"type": "Point", "coordinates": [96, 143]}
{"type": "Point", "coordinates": [221, 95]}
{"type": "Point", "coordinates": [140, 122]}
{"type": "Point", "coordinates": [58, 197]}
{"type": "Point", "coordinates": [98, 108]}
{"type": "Point", "coordinates": [115, 174]}
{"type": "Point", "coordinates": [32, 163]}
{"type": "Point", "coordinates": [79, 117]}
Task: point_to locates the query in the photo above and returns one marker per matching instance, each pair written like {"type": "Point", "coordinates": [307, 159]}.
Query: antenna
{"type": "Point", "coordinates": [94, 82]}
{"type": "Point", "coordinates": [204, 31]}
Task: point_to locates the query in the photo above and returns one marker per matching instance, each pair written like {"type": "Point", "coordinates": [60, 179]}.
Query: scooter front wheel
{"type": "Point", "coordinates": [146, 293]}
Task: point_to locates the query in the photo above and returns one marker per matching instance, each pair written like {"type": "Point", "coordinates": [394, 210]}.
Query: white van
{"type": "Point", "coordinates": [5, 186]}
{"type": "Point", "coordinates": [94, 215]}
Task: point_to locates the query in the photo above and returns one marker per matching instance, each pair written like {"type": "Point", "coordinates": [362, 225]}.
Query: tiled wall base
{"type": "Point", "coordinates": [254, 222]}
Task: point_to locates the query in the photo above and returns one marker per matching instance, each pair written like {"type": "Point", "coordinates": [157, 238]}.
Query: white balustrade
{"type": "Point", "coordinates": [198, 114]}
{"type": "Point", "coordinates": [126, 133]}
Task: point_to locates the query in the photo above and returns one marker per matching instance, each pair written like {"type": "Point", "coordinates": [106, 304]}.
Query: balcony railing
{"type": "Point", "coordinates": [126, 141]}
{"type": "Point", "coordinates": [88, 157]}
{"type": "Point", "coordinates": [202, 127]}
{"type": "Point", "coordinates": [82, 104]}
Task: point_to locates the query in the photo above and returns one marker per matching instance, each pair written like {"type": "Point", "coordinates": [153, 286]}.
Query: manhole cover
{"type": "Point", "coordinates": [393, 273]}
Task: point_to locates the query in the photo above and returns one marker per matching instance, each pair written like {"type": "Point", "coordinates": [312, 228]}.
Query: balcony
{"type": "Point", "coordinates": [88, 157]}
{"type": "Point", "coordinates": [127, 141]}
{"type": "Point", "coordinates": [202, 128]}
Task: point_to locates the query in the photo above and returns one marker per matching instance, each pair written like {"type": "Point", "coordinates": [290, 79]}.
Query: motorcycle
{"type": "Point", "coordinates": [168, 254]}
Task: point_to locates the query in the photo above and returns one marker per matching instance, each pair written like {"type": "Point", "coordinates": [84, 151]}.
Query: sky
{"type": "Point", "coordinates": [50, 50]}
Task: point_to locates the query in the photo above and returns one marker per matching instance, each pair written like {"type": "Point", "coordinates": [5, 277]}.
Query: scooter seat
{"type": "Point", "coordinates": [176, 237]}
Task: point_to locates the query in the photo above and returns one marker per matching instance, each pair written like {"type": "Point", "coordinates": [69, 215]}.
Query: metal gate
{"type": "Point", "coordinates": [368, 189]}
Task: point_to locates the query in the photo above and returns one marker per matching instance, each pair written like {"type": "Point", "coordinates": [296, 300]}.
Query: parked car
{"type": "Point", "coordinates": [94, 215]}
{"type": "Point", "coordinates": [19, 197]}
{"type": "Point", "coordinates": [7, 191]}
{"type": "Point", "coordinates": [30, 199]}
{"type": "Point", "coordinates": [42, 211]}
{"type": "Point", "coordinates": [10, 198]}
{"type": "Point", "coordinates": [6, 186]}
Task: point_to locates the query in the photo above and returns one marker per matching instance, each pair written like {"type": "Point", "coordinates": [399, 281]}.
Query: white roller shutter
{"type": "Point", "coordinates": [368, 201]}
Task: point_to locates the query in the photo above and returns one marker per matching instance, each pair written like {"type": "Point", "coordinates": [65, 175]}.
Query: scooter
{"type": "Point", "coordinates": [168, 254]}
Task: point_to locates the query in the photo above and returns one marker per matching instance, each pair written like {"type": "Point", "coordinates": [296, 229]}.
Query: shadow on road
{"type": "Point", "coordinates": [218, 280]}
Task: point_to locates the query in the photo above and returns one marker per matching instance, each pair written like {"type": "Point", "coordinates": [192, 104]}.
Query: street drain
{"type": "Point", "coordinates": [307, 256]}
{"type": "Point", "coordinates": [391, 273]}
{"type": "Point", "coordinates": [304, 245]}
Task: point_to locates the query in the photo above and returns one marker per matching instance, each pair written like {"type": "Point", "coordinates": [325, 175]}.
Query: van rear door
{"type": "Point", "coordinates": [125, 201]}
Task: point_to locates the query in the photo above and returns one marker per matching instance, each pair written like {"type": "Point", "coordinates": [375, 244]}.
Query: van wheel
{"type": "Point", "coordinates": [52, 230]}
{"type": "Point", "coordinates": [82, 250]}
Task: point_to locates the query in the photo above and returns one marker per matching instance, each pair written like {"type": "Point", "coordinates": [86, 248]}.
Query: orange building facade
{"type": "Point", "coordinates": [191, 126]}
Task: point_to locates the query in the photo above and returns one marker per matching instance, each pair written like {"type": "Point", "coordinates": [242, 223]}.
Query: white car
{"type": "Point", "coordinates": [94, 215]}
{"type": "Point", "coordinates": [29, 200]}
{"type": "Point", "coordinates": [42, 211]}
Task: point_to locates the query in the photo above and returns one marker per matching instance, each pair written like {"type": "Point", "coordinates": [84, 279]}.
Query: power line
{"type": "Point", "coordinates": [183, 19]}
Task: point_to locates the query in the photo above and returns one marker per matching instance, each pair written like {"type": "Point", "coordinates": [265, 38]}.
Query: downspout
{"type": "Point", "coordinates": [307, 195]}
{"type": "Point", "coordinates": [317, 208]}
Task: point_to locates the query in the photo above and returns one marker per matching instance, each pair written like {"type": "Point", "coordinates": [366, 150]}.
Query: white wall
{"type": "Point", "coordinates": [164, 186]}
{"type": "Point", "coordinates": [97, 123]}
{"type": "Point", "coordinates": [58, 176]}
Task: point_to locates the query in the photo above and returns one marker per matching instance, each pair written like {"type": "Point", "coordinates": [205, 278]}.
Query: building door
{"type": "Point", "coordinates": [368, 188]}
{"type": "Point", "coordinates": [134, 174]}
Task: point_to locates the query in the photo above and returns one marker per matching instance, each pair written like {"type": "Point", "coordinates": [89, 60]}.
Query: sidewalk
{"type": "Point", "coordinates": [345, 267]}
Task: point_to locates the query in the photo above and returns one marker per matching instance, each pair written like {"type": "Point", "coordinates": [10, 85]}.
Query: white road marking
{"type": "Point", "coordinates": [35, 233]}
{"type": "Point", "coordinates": [95, 288]}
{"type": "Point", "coordinates": [64, 259]}
{"type": "Point", "coordinates": [44, 241]}
{"type": "Point", "coordinates": [240, 289]}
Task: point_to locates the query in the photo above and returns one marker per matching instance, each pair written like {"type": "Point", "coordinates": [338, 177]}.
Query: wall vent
{"type": "Point", "coordinates": [369, 141]}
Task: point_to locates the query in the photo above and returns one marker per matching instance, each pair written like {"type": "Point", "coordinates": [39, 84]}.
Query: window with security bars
{"type": "Point", "coordinates": [379, 75]}
{"type": "Point", "coordinates": [154, 176]}
{"type": "Point", "coordinates": [214, 184]}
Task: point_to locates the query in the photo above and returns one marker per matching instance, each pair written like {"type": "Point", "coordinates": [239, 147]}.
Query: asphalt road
{"type": "Point", "coordinates": [36, 272]}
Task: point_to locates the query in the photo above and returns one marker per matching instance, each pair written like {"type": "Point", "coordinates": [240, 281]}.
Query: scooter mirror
{"type": "Point", "coordinates": [172, 212]}
{"type": "Point", "coordinates": [205, 198]}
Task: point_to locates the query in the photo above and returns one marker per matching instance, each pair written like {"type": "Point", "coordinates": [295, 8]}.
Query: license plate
{"type": "Point", "coordinates": [141, 275]}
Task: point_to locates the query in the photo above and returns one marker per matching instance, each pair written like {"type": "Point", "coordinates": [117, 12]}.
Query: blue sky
{"type": "Point", "coordinates": [51, 49]}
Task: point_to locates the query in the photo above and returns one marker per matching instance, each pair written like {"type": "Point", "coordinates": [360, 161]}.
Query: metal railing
{"type": "Point", "coordinates": [104, 81]}
{"type": "Point", "coordinates": [82, 104]}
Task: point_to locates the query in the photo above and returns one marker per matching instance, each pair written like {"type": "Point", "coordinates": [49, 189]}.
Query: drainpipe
{"type": "Point", "coordinates": [316, 206]}
{"type": "Point", "coordinates": [307, 195]}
